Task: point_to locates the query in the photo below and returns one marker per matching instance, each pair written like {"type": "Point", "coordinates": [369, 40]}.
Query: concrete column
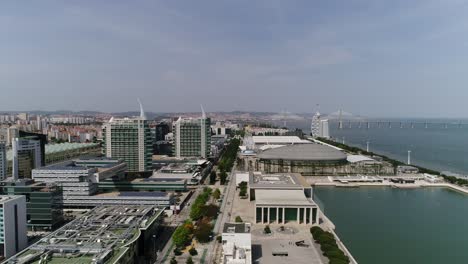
{"type": "Point", "coordinates": [305, 215]}
{"type": "Point", "coordinates": [255, 214]}
{"type": "Point", "coordinates": [284, 221]}
{"type": "Point", "coordinates": [268, 215]}
{"type": "Point", "coordinates": [298, 215]}
{"type": "Point", "coordinates": [316, 216]}
{"type": "Point", "coordinates": [311, 214]}
{"type": "Point", "coordinates": [262, 215]}
{"type": "Point", "coordinates": [277, 214]}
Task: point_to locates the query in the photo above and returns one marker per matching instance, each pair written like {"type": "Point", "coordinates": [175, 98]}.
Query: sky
{"type": "Point", "coordinates": [395, 58]}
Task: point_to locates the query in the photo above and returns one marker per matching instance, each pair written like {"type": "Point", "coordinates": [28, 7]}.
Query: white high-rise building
{"type": "Point", "coordinates": [319, 127]}
{"type": "Point", "coordinates": [192, 137]}
{"type": "Point", "coordinates": [26, 157]}
{"type": "Point", "coordinates": [3, 161]}
{"type": "Point", "coordinates": [13, 230]}
{"type": "Point", "coordinates": [129, 139]}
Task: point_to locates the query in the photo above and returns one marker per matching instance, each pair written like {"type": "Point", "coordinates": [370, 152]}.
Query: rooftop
{"type": "Point", "coordinates": [282, 197]}
{"type": "Point", "coordinates": [279, 180]}
{"type": "Point", "coordinates": [279, 140]}
{"type": "Point", "coordinates": [102, 235]}
{"type": "Point", "coordinates": [236, 228]}
{"type": "Point", "coordinates": [359, 158]}
{"type": "Point", "coordinates": [304, 152]}
{"type": "Point", "coordinates": [56, 148]}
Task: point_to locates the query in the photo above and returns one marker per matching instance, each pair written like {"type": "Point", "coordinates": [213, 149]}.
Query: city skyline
{"type": "Point", "coordinates": [371, 58]}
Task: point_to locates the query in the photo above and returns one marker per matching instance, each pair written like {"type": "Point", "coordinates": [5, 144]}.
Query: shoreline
{"type": "Point", "coordinates": [394, 185]}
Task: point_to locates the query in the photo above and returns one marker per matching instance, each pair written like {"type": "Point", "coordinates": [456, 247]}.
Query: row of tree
{"type": "Point", "coordinates": [229, 156]}
{"type": "Point", "coordinates": [201, 213]}
{"type": "Point", "coordinates": [328, 245]}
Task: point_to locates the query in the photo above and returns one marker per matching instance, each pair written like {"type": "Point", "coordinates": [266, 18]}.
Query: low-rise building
{"type": "Point", "coordinates": [80, 180]}
{"type": "Point", "coordinates": [105, 235]}
{"type": "Point", "coordinates": [43, 202]}
{"type": "Point", "coordinates": [237, 243]}
{"type": "Point", "coordinates": [282, 198]}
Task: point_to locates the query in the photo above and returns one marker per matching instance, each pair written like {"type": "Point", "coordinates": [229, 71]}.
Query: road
{"type": "Point", "coordinates": [177, 220]}
{"type": "Point", "coordinates": [225, 215]}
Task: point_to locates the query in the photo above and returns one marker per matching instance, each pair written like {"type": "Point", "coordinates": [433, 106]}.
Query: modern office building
{"type": "Point", "coordinates": [13, 231]}
{"type": "Point", "coordinates": [319, 127]}
{"type": "Point", "coordinates": [282, 198]}
{"type": "Point", "coordinates": [105, 235]}
{"type": "Point", "coordinates": [36, 136]}
{"type": "Point", "coordinates": [192, 137]}
{"type": "Point", "coordinates": [26, 157]}
{"type": "Point", "coordinates": [80, 186]}
{"type": "Point", "coordinates": [3, 161]}
{"type": "Point", "coordinates": [237, 243]}
{"type": "Point", "coordinates": [43, 202]}
{"type": "Point", "coordinates": [129, 139]}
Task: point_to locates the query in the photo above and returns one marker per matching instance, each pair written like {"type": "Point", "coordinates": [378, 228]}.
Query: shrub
{"type": "Point", "coordinates": [216, 194]}
{"type": "Point", "coordinates": [212, 177]}
{"type": "Point", "coordinates": [219, 239]}
{"type": "Point", "coordinates": [193, 252]}
{"type": "Point", "coordinates": [239, 219]}
{"type": "Point", "coordinates": [177, 251]}
{"type": "Point", "coordinates": [337, 261]}
{"type": "Point", "coordinates": [267, 229]}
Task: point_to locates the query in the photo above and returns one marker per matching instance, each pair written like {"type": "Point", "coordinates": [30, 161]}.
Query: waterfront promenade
{"type": "Point", "coordinates": [417, 184]}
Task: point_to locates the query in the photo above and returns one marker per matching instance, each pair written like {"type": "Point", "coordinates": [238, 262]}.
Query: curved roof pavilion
{"type": "Point", "coordinates": [304, 152]}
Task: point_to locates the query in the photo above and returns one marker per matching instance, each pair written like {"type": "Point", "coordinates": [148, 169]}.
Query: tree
{"type": "Point", "coordinates": [173, 260]}
{"type": "Point", "coordinates": [210, 210]}
{"type": "Point", "coordinates": [181, 236]}
{"type": "Point", "coordinates": [203, 233]}
{"type": "Point", "coordinates": [239, 219]}
{"type": "Point", "coordinates": [223, 177]}
{"type": "Point", "coordinates": [212, 177]}
{"type": "Point", "coordinates": [217, 194]}
{"type": "Point", "coordinates": [177, 251]}
{"type": "Point", "coordinates": [193, 252]}
{"type": "Point", "coordinates": [189, 260]}
{"type": "Point", "coordinates": [267, 229]}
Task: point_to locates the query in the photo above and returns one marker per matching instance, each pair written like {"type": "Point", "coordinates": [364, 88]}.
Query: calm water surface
{"type": "Point", "coordinates": [387, 226]}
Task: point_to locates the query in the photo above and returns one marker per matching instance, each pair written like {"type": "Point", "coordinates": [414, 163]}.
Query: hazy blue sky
{"type": "Point", "coordinates": [369, 57]}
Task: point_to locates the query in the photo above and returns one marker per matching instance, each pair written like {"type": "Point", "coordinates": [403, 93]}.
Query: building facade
{"type": "Point", "coordinates": [3, 161]}
{"type": "Point", "coordinates": [26, 157]}
{"type": "Point", "coordinates": [43, 202]}
{"type": "Point", "coordinates": [129, 139]}
{"type": "Point", "coordinates": [192, 137]}
{"type": "Point", "coordinates": [13, 231]}
{"type": "Point", "coordinates": [282, 198]}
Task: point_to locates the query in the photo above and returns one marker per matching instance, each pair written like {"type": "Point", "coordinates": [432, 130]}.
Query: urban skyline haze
{"type": "Point", "coordinates": [371, 58]}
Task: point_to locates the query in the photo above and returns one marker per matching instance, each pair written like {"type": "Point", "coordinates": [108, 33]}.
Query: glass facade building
{"type": "Point", "coordinates": [192, 137]}
{"type": "Point", "coordinates": [129, 139]}
{"type": "Point", "coordinates": [43, 202]}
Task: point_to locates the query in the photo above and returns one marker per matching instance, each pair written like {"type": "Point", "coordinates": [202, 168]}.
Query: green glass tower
{"type": "Point", "coordinates": [129, 139]}
{"type": "Point", "coordinates": [192, 137]}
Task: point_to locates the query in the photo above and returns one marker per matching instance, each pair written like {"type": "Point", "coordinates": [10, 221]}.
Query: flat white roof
{"type": "Point", "coordinates": [279, 140]}
{"type": "Point", "coordinates": [358, 158]}
{"type": "Point", "coordinates": [282, 197]}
